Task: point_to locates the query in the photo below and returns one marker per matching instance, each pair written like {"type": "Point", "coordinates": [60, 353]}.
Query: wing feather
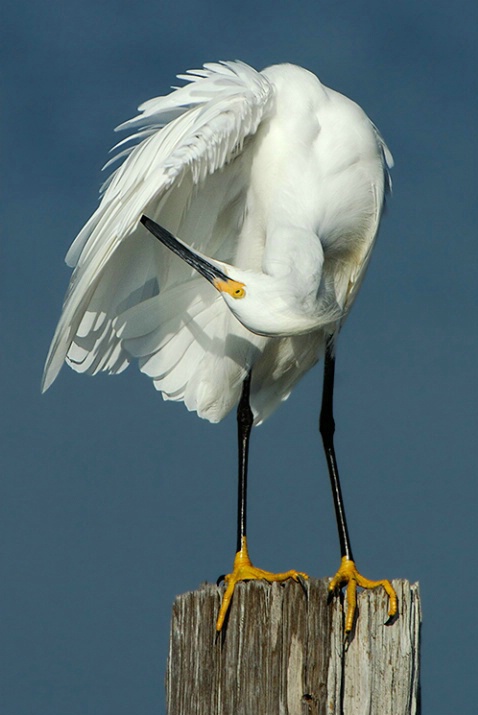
{"type": "Point", "coordinates": [380, 194]}
{"type": "Point", "coordinates": [184, 138]}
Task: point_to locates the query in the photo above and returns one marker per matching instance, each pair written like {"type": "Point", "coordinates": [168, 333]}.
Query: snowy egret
{"type": "Point", "coordinates": [265, 190]}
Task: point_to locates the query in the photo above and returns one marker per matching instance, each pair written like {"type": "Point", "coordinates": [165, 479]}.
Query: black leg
{"type": "Point", "coordinates": [327, 429]}
{"type": "Point", "coordinates": [347, 575]}
{"type": "Point", "coordinates": [244, 426]}
{"type": "Point", "coordinates": [243, 568]}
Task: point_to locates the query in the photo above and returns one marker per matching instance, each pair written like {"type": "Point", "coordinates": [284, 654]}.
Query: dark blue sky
{"type": "Point", "coordinates": [112, 501]}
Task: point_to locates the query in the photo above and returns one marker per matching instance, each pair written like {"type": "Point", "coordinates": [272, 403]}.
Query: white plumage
{"type": "Point", "coordinates": [271, 173]}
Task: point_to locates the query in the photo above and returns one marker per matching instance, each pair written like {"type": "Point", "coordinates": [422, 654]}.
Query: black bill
{"type": "Point", "coordinates": [202, 266]}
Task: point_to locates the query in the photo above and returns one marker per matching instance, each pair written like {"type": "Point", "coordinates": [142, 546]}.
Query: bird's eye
{"type": "Point", "coordinates": [238, 292]}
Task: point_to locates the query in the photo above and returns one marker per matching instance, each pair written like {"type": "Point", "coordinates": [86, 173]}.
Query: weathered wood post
{"type": "Point", "coordinates": [283, 653]}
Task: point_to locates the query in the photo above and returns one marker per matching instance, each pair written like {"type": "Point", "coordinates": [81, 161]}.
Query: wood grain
{"type": "Point", "coordinates": [282, 652]}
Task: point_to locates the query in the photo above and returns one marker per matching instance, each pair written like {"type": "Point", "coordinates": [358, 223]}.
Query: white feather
{"type": "Point", "coordinates": [269, 172]}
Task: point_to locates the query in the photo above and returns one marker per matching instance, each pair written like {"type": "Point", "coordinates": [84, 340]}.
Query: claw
{"type": "Point", "coordinates": [348, 576]}
{"type": "Point", "coordinates": [244, 571]}
{"type": "Point", "coordinates": [301, 580]}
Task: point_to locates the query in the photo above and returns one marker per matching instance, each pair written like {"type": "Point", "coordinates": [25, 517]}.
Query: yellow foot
{"type": "Point", "coordinates": [244, 571]}
{"type": "Point", "coordinates": [347, 575]}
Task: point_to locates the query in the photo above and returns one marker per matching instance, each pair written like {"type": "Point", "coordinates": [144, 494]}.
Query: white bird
{"type": "Point", "coordinates": [269, 187]}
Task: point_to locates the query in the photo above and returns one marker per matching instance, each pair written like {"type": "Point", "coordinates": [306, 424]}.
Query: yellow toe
{"type": "Point", "coordinates": [243, 570]}
{"type": "Point", "coordinates": [348, 576]}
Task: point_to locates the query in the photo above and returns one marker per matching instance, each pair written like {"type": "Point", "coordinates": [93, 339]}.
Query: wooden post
{"type": "Point", "coordinates": [282, 653]}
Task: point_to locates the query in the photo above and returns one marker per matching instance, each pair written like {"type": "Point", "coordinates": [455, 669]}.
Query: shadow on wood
{"type": "Point", "coordinates": [283, 653]}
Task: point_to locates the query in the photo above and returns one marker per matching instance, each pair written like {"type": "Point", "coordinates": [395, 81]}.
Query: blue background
{"type": "Point", "coordinates": [112, 501]}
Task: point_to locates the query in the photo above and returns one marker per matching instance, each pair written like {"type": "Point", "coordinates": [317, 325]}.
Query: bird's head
{"type": "Point", "coordinates": [262, 303]}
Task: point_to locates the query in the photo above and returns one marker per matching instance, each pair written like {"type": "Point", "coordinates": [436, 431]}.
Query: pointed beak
{"type": "Point", "coordinates": [200, 264]}
{"type": "Point", "coordinates": [206, 267]}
